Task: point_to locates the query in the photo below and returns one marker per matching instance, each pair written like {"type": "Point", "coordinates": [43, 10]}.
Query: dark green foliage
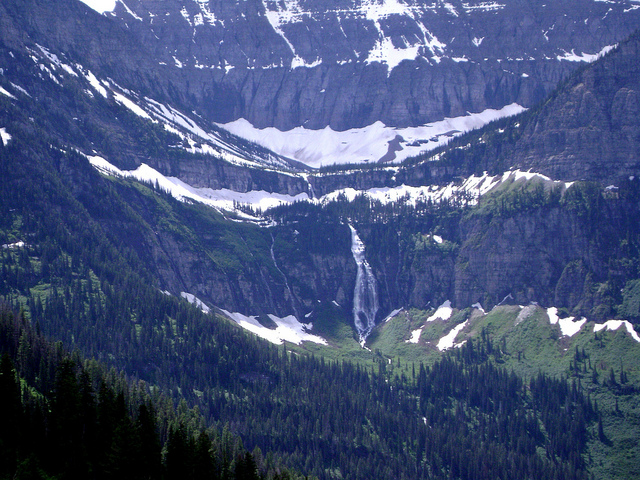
{"type": "Point", "coordinates": [63, 429]}
{"type": "Point", "coordinates": [86, 279]}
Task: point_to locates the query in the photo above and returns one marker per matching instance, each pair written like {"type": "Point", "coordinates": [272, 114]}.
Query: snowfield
{"type": "Point", "coordinates": [288, 329]}
{"type": "Point", "coordinates": [376, 142]}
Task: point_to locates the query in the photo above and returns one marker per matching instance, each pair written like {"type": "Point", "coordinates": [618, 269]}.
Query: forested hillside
{"type": "Point", "coordinates": [471, 313]}
{"type": "Point", "coordinates": [67, 417]}
{"type": "Point", "coordinates": [81, 283]}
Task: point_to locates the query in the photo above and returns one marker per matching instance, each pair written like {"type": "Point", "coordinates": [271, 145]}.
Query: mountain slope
{"type": "Point", "coordinates": [107, 231]}
{"type": "Point", "coordinates": [586, 130]}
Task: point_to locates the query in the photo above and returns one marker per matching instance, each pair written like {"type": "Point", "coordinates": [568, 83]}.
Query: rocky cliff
{"type": "Point", "coordinates": [341, 63]}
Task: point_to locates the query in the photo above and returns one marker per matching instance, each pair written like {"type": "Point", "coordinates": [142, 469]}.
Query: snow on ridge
{"type": "Point", "coordinates": [568, 326]}
{"type": "Point", "coordinates": [174, 121]}
{"type": "Point", "coordinates": [101, 6]}
{"type": "Point", "coordinates": [585, 57]}
{"type": "Point", "coordinates": [288, 329]}
{"type": "Point", "coordinates": [470, 190]}
{"type": "Point", "coordinates": [222, 200]}
{"type": "Point", "coordinates": [317, 148]}
{"type": "Point", "coordinates": [129, 11]}
{"type": "Point", "coordinates": [615, 324]}
{"type": "Point", "coordinates": [192, 299]}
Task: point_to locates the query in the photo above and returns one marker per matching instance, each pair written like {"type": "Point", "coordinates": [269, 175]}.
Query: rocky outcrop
{"type": "Point", "coordinates": [590, 128]}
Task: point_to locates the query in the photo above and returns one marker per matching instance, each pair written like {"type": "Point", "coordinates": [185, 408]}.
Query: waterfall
{"type": "Point", "coordinates": [365, 296]}
{"type": "Point", "coordinates": [286, 283]}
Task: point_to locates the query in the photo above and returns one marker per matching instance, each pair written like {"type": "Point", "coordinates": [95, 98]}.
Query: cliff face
{"type": "Point", "coordinates": [340, 63]}
{"type": "Point", "coordinates": [590, 128]}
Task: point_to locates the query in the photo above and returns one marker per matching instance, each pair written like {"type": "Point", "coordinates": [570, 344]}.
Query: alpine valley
{"type": "Point", "coordinates": [337, 239]}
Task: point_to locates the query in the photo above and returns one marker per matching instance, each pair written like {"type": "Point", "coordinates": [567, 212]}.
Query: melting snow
{"type": "Point", "coordinates": [288, 329]}
{"type": "Point", "coordinates": [568, 326]}
{"type": "Point", "coordinates": [448, 340]}
{"type": "Point", "coordinates": [131, 105]}
{"type": "Point", "coordinates": [392, 315]}
{"type": "Point", "coordinates": [443, 312]}
{"type": "Point", "coordinates": [614, 325]}
{"type": "Point", "coordinates": [195, 301]}
{"type": "Point", "coordinates": [368, 144]}
{"type": "Point", "coordinates": [4, 136]}
{"type": "Point", "coordinates": [415, 335]}
{"type": "Point", "coordinates": [223, 199]}
{"type": "Point", "coordinates": [4, 92]}
{"type": "Point", "coordinates": [101, 6]}
{"type": "Point", "coordinates": [585, 57]}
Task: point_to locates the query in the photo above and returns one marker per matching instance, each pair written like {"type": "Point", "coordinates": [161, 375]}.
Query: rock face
{"type": "Point", "coordinates": [333, 63]}
{"type": "Point", "coordinates": [590, 128]}
{"type": "Point", "coordinates": [342, 63]}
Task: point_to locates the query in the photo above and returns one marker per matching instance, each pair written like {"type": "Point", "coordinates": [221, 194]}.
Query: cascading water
{"type": "Point", "coordinates": [365, 296]}
{"type": "Point", "coordinates": [286, 283]}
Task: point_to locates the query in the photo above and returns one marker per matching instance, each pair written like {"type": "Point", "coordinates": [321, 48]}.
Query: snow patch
{"type": "Point", "coordinates": [8, 94]}
{"type": "Point", "coordinates": [20, 89]}
{"type": "Point", "coordinates": [317, 148]}
{"type": "Point", "coordinates": [443, 312]}
{"type": "Point", "coordinates": [95, 83]}
{"type": "Point", "coordinates": [448, 340]}
{"type": "Point", "coordinates": [568, 326]}
{"type": "Point", "coordinates": [615, 324]}
{"type": "Point", "coordinates": [4, 136]}
{"type": "Point", "coordinates": [584, 57]}
{"type": "Point", "coordinates": [415, 335]}
{"type": "Point", "coordinates": [121, 99]}
{"type": "Point", "coordinates": [223, 199]}
{"type": "Point", "coordinates": [101, 6]}
{"type": "Point", "coordinates": [385, 52]}
{"type": "Point", "coordinates": [288, 329]}
{"type": "Point", "coordinates": [392, 315]}
{"type": "Point", "coordinates": [483, 7]}
{"type": "Point", "coordinates": [192, 299]}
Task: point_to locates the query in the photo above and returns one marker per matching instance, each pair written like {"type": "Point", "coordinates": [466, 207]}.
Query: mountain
{"type": "Point", "coordinates": [497, 254]}
{"type": "Point", "coordinates": [350, 63]}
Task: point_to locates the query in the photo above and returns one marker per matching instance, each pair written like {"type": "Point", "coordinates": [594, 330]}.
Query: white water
{"type": "Point", "coordinates": [365, 296]}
